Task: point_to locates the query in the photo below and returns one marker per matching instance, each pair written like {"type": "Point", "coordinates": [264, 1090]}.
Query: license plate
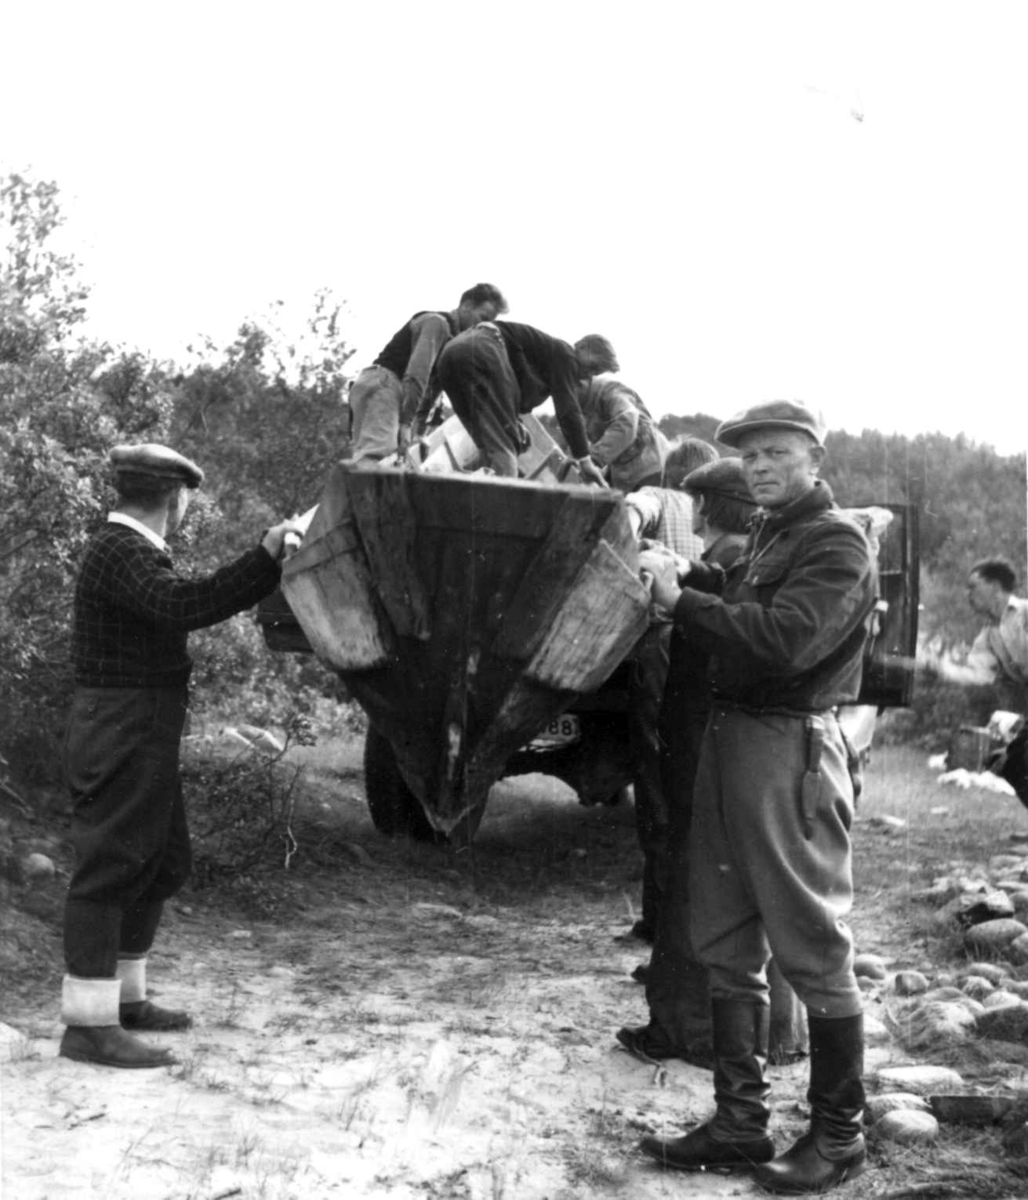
{"type": "Point", "coordinates": [564, 730]}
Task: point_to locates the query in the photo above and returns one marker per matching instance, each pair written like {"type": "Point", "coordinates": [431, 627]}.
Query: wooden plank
{"type": "Point", "coordinates": [386, 520]}
{"type": "Point", "coordinates": [337, 608]}
{"type": "Point", "coordinates": [603, 615]}
{"type": "Point", "coordinates": [545, 585]}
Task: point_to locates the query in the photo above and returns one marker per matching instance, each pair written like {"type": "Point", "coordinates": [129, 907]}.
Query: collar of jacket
{"type": "Point", "coordinates": [816, 500]}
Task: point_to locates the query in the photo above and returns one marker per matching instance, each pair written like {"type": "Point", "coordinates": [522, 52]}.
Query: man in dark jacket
{"type": "Point", "coordinates": [770, 860]}
{"type": "Point", "coordinates": [385, 396]}
{"type": "Point", "coordinates": [677, 989]}
{"type": "Point", "coordinates": [133, 612]}
{"type": "Point", "coordinates": [499, 369]}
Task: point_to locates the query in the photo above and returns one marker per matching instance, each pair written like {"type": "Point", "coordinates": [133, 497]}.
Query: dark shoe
{"type": "Point", "coordinates": [645, 1044]}
{"type": "Point", "coordinates": [145, 1016]}
{"type": "Point", "coordinates": [641, 973]}
{"type": "Point", "coordinates": [698, 1151]}
{"type": "Point", "coordinates": [803, 1169]}
{"type": "Point", "coordinates": [111, 1046]}
{"type": "Point", "coordinates": [645, 931]}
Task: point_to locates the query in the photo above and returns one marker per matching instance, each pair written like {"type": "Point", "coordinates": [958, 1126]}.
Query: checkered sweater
{"type": "Point", "coordinates": [133, 610]}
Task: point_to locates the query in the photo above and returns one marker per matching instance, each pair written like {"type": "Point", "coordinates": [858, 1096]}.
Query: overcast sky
{"type": "Point", "coordinates": [750, 199]}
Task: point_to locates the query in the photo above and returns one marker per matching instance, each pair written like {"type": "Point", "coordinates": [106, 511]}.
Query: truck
{"type": "Point", "coordinates": [484, 625]}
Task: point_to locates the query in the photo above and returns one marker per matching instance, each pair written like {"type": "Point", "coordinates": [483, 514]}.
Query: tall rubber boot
{"type": "Point", "coordinates": [832, 1151]}
{"type": "Point", "coordinates": [89, 1009]}
{"type": "Point", "coordinates": [736, 1137]}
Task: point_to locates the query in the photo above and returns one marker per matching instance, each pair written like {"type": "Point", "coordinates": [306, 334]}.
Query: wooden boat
{"type": "Point", "coordinates": [464, 613]}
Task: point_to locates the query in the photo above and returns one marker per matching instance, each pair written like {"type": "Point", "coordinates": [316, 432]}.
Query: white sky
{"type": "Point", "coordinates": [687, 178]}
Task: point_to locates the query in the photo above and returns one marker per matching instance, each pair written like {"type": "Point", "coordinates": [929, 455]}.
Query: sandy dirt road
{"type": "Point", "coordinates": [412, 1023]}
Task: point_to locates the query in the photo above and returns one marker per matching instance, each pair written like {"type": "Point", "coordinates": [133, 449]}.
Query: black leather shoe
{"type": "Point", "coordinates": [803, 1169]}
{"type": "Point", "coordinates": [143, 1015]}
{"type": "Point", "coordinates": [111, 1046]}
{"type": "Point", "coordinates": [641, 930]}
{"type": "Point", "coordinates": [698, 1151]}
{"type": "Point", "coordinates": [641, 973]}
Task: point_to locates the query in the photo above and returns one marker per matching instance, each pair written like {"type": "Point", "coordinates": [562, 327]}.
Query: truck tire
{"type": "Point", "coordinates": [395, 810]}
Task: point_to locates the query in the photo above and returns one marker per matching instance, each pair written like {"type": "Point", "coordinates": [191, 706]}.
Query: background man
{"type": "Point", "coordinates": [132, 614]}
{"type": "Point", "coordinates": [1000, 651]}
{"type": "Point", "coordinates": [660, 516]}
{"type": "Point", "coordinates": [497, 370]}
{"type": "Point", "coordinates": [623, 440]}
{"type": "Point", "coordinates": [770, 860]}
{"type": "Point", "coordinates": [386, 395]}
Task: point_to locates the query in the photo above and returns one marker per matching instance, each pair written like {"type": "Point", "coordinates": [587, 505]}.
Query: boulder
{"type": "Point", "coordinates": [1018, 950]}
{"type": "Point", "coordinates": [978, 987]}
{"type": "Point", "coordinates": [921, 1080]}
{"type": "Point", "coordinates": [909, 983]}
{"type": "Point", "coordinates": [972, 908]}
{"type": "Point", "coordinates": [971, 1110]}
{"type": "Point", "coordinates": [908, 1127]}
{"type": "Point", "coordinates": [1006, 1023]}
{"type": "Point", "coordinates": [878, 1106]}
{"type": "Point", "coordinates": [993, 936]}
{"type": "Point", "coordinates": [991, 971]}
{"type": "Point", "coordinates": [872, 966]}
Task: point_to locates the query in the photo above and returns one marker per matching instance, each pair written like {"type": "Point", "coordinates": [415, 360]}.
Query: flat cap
{"type": "Point", "coordinates": [722, 477]}
{"type": "Point", "coordinates": [150, 458]}
{"type": "Point", "coordinates": [599, 349]}
{"type": "Point", "coordinates": [781, 414]}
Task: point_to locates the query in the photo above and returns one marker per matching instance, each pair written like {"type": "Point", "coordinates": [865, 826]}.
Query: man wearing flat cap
{"type": "Point", "coordinates": [133, 612]}
{"type": "Point", "coordinates": [661, 516]}
{"type": "Point", "coordinates": [498, 370]}
{"type": "Point", "coordinates": [770, 859]}
{"type": "Point", "coordinates": [720, 508]}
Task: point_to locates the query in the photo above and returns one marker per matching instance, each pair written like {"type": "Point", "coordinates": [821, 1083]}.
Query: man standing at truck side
{"type": "Point", "coordinates": [386, 395]}
{"type": "Point", "coordinates": [661, 515]}
{"type": "Point", "coordinates": [624, 442]}
{"type": "Point", "coordinates": [500, 369]}
{"type": "Point", "coordinates": [770, 858]}
{"type": "Point", "coordinates": [133, 612]}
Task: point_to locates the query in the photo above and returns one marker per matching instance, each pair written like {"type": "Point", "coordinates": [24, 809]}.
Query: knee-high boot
{"type": "Point", "coordinates": [736, 1136]}
{"type": "Point", "coordinates": [832, 1150]}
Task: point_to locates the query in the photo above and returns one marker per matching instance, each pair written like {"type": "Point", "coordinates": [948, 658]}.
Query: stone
{"type": "Point", "coordinates": [1003, 863]}
{"type": "Point", "coordinates": [971, 908]}
{"type": "Point", "coordinates": [978, 987]}
{"type": "Point", "coordinates": [908, 1127]}
{"type": "Point", "coordinates": [875, 1031]}
{"type": "Point", "coordinates": [921, 1080]}
{"type": "Point", "coordinates": [1018, 987]}
{"type": "Point", "coordinates": [909, 983]}
{"type": "Point", "coordinates": [877, 1106]}
{"type": "Point", "coordinates": [993, 972]}
{"type": "Point", "coordinates": [1018, 950]}
{"type": "Point", "coordinates": [993, 936]}
{"type": "Point", "coordinates": [1000, 998]}
{"type": "Point", "coordinates": [1015, 1140]}
{"type": "Point", "coordinates": [37, 868]}
{"type": "Point", "coordinates": [1019, 900]}
{"type": "Point", "coordinates": [870, 965]}
{"type": "Point", "coordinates": [1006, 1023]}
{"type": "Point", "coordinates": [13, 1043]}
{"type": "Point", "coordinates": [971, 1110]}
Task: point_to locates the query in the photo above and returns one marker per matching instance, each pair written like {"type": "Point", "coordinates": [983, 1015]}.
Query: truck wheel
{"type": "Point", "coordinates": [395, 810]}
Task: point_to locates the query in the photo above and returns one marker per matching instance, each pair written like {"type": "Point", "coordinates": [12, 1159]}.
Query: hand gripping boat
{"type": "Point", "coordinates": [464, 612]}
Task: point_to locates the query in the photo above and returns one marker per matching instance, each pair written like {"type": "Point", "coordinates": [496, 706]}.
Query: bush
{"type": "Point", "coordinates": [242, 806]}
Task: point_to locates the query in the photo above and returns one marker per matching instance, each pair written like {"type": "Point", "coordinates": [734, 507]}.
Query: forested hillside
{"type": "Point", "coordinates": [266, 419]}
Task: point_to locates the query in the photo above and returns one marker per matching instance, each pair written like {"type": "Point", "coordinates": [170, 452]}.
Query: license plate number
{"type": "Point", "coordinates": [564, 730]}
